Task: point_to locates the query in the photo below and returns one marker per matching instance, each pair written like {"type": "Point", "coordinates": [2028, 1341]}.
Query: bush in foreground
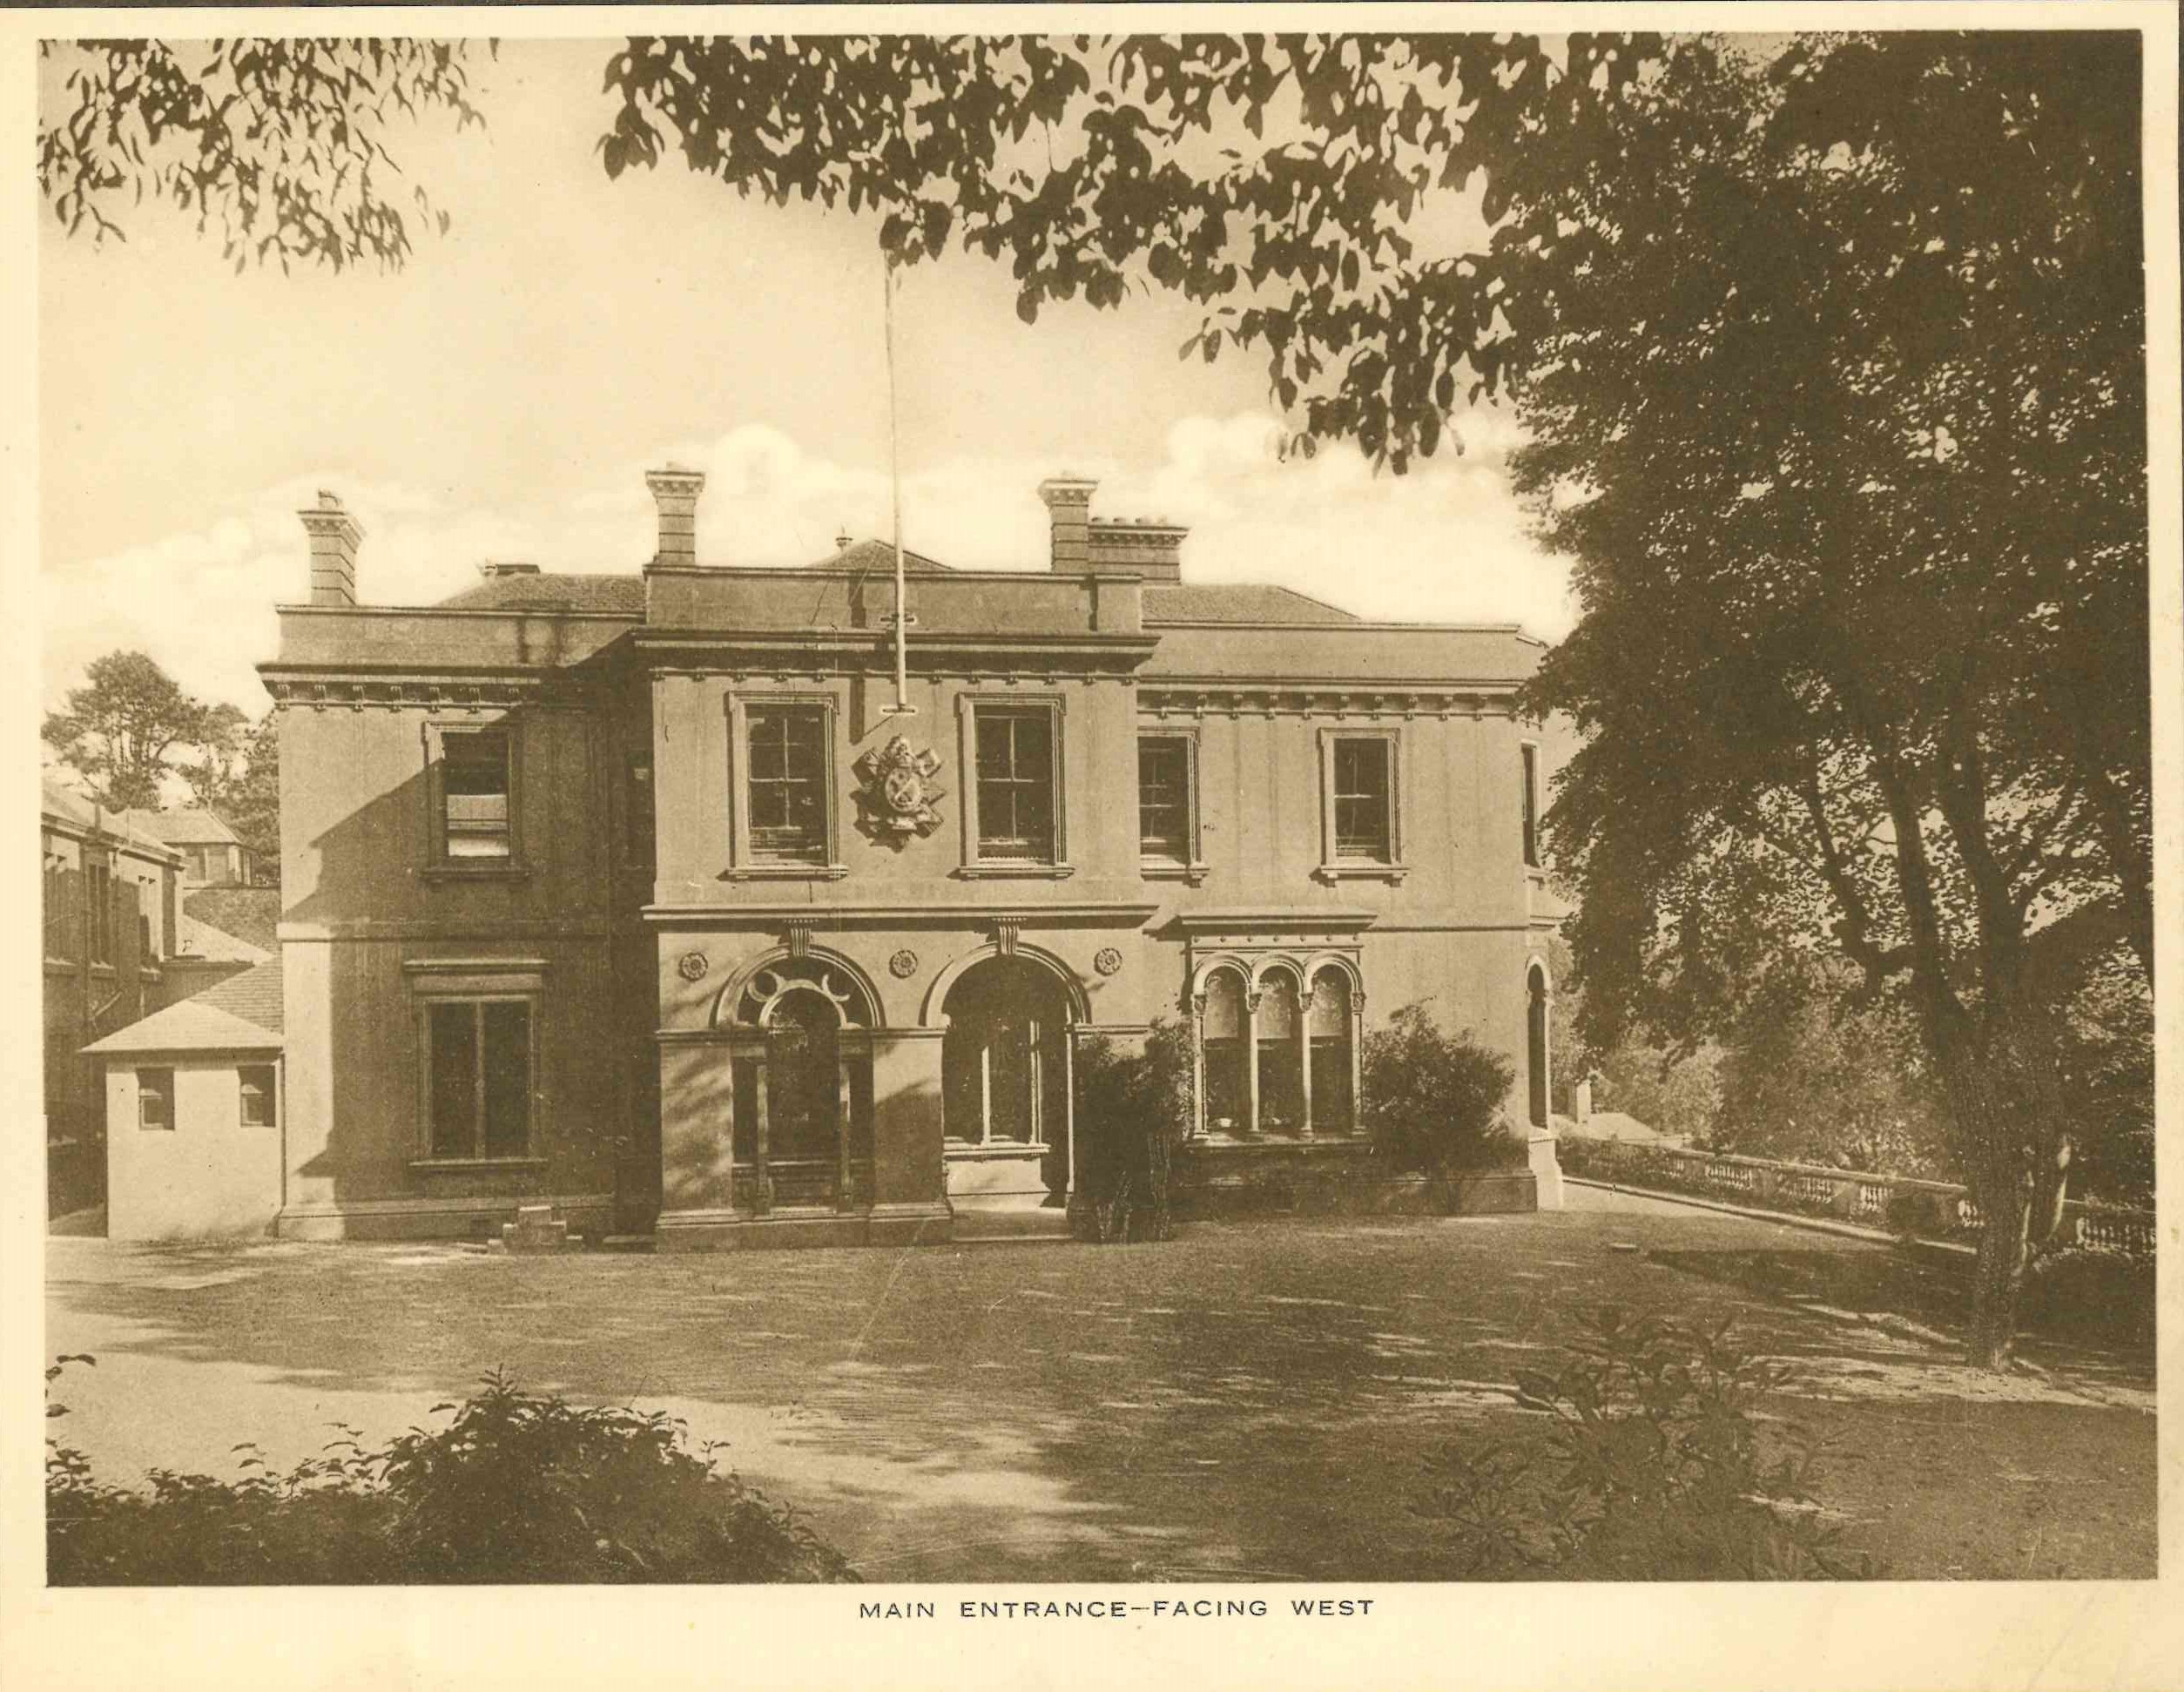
{"type": "Point", "coordinates": [1652, 1469]}
{"type": "Point", "coordinates": [514, 1488]}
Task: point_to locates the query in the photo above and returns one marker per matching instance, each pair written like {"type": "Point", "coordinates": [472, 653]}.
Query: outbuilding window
{"type": "Point", "coordinates": [255, 1107]}
{"type": "Point", "coordinates": [155, 1099]}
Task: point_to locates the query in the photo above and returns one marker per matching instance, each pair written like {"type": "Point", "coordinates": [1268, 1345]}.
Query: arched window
{"type": "Point", "coordinates": [1535, 1044]}
{"type": "Point", "coordinates": [1003, 1062]}
{"type": "Point", "coordinates": [1223, 1035]}
{"type": "Point", "coordinates": [1334, 1101]}
{"type": "Point", "coordinates": [1280, 1055]}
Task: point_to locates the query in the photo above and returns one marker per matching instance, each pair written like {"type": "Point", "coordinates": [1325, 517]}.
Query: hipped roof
{"type": "Point", "coordinates": [242, 1014]}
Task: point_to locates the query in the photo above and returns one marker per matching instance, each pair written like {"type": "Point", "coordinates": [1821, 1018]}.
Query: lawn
{"type": "Point", "coordinates": [1253, 1400]}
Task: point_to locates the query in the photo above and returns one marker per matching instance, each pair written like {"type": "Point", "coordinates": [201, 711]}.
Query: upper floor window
{"type": "Point", "coordinates": [1016, 784]}
{"type": "Point", "coordinates": [474, 794]}
{"type": "Point", "coordinates": [1364, 794]}
{"type": "Point", "coordinates": [637, 839]}
{"type": "Point", "coordinates": [255, 1094]}
{"type": "Point", "coordinates": [1531, 756]}
{"type": "Point", "coordinates": [99, 892]}
{"type": "Point", "coordinates": [788, 783]}
{"type": "Point", "coordinates": [1167, 820]}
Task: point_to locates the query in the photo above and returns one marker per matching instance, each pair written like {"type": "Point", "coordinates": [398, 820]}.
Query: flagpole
{"type": "Point", "coordinates": [902, 707]}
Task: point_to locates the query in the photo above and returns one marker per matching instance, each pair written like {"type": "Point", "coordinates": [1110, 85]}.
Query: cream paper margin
{"type": "Point", "coordinates": [1628, 1638]}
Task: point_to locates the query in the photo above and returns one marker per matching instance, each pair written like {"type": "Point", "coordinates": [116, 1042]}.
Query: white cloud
{"type": "Point", "coordinates": [1446, 543]}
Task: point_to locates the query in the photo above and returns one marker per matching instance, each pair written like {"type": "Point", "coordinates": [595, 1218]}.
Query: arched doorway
{"type": "Point", "coordinates": [1004, 1059]}
{"type": "Point", "coordinates": [1535, 1044]}
{"type": "Point", "coordinates": [801, 1128]}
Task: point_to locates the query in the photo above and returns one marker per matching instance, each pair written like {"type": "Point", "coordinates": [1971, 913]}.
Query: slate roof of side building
{"type": "Point", "coordinates": [243, 1014]}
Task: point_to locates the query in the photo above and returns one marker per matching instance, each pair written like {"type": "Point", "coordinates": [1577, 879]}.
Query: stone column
{"type": "Point", "coordinates": [1304, 1052]}
{"type": "Point", "coordinates": [909, 1196]}
{"type": "Point", "coordinates": [1251, 1052]}
{"type": "Point", "coordinates": [698, 1102]}
{"type": "Point", "coordinates": [1198, 1065]}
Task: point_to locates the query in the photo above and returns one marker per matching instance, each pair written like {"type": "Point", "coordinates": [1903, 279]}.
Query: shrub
{"type": "Point", "coordinates": [1433, 1100]}
{"type": "Point", "coordinates": [514, 1488]}
{"type": "Point", "coordinates": [1652, 1469]}
{"type": "Point", "coordinates": [1132, 1111]}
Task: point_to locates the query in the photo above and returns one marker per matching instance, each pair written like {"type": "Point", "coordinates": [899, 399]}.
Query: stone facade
{"type": "Point", "coordinates": [640, 896]}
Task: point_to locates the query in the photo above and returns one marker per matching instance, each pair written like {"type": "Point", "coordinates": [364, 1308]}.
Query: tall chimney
{"type": "Point", "coordinates": [1069, 510]}
{"type": "Point", "coordinates": [675, 490]}
{"type": "Point", "coordinates": [335, 535]}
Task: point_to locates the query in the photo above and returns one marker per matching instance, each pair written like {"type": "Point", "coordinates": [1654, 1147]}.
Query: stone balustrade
{"type": "Point", "coordinates": [1902, 1205]}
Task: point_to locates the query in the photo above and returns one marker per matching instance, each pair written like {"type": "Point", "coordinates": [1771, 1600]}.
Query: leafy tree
{"type": "Point", "coordinates": [221, 744]}
{"type": "Point", "coordinates": [120, 731]}
{"type": "Point", "coordinates": [237, 776]}
{"type": "Point", "coordinates": [280, 144]}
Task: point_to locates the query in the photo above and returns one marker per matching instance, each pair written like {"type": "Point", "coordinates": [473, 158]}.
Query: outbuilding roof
{"type": "Point", "coordinates": [195, 937]}
{"type": "Point", "coordinates": [189, 826]}
{"type": "Point", "coordinates": [242, 1014]}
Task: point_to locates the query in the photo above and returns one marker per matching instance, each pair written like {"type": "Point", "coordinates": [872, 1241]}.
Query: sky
{"type": "Point", "coordinates": [501, 396]}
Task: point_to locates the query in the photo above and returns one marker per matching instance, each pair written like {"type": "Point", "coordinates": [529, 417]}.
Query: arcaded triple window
{"type": "Point", "coordinates": [1016, 784]}
{"type": "Point", "coordinates": [1273, 1060]}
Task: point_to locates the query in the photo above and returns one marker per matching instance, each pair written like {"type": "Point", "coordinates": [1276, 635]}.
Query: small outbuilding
{"type": "Point", "coordinates": [194, 1121]}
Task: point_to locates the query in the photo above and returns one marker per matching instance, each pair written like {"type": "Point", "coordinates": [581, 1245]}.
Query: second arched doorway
{"type": "Point", "coordinates": [1005, 1057]}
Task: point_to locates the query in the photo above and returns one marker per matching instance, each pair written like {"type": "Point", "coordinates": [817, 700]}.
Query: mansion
{"type": "Point", "coordinates": [639, 895]}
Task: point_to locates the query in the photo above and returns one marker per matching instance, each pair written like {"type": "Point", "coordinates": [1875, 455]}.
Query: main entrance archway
{"type": "Point", "coordinates": [801, 1130]}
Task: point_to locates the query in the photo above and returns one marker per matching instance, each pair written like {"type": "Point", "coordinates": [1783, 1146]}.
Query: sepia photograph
{"type": "Point", "coordinates": [1214, 822]}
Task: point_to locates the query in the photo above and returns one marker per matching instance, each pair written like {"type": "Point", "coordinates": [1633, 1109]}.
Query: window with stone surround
{"type": "Point", "coordinates": [479, 1061]}
{"type": "Point", "coordinates": [787, 765]}
{"type": "Point", "coordinates": [1015, 754]}
{"type": "Point", "coordinates": [1530, 755]}
{"type": "Point", "coordinates": [1167, 801]}
{"type": "Point", "coordinates": [472, 785]}
{"type": "Point", "coordinates": [1361, 804]}
{"type": "Point", "coordinates": [784, 824]}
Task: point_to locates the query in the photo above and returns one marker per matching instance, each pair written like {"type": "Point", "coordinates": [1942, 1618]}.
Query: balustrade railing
{"type": "Point", "coordinates": [1900, 1203]}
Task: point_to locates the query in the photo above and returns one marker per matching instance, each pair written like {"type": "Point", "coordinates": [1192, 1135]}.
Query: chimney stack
{"type": "Point", "coordinates": [675, 490]}
{"type": "Point", "coordinates": [1150, 547]}
{"type": "Point", "coordinates": [335, 535]}
{"type": "Point", "coordinates": [1069, 507]}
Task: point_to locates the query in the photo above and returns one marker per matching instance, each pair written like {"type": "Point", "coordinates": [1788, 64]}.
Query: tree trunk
{"type": "Point", "coordinates": [2004, 1103]}
{"type": "Point", "coordinates": [1998, 1271]}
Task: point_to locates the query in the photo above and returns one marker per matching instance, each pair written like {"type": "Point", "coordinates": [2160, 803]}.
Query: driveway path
{"type": "Point", "coordinates": [1252, 1400]}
